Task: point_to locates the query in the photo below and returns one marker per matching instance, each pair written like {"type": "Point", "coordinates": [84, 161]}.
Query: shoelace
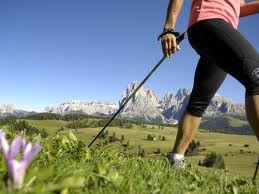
{"type": "Point", "coordinates": [179, 164]}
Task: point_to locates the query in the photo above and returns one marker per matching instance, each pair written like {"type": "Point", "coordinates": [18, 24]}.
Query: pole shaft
{"type": "Point", "coordinates": [178, 40]}
{"type": "Point", "coordinates": [128, 99]}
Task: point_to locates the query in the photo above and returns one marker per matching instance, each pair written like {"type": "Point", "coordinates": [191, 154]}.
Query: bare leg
{"type": "Point", "coordinates": [189, 124]}
{"type": "Point", "coordinates": [186, 130]}
{"type": "Point", "coordinates": [252, 113]}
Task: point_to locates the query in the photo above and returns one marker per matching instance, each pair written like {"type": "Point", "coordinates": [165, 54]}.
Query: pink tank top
{"type": "Point", "coordinates": [227, 10]}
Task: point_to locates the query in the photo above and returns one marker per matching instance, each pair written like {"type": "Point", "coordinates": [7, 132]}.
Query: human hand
{"type": "Point", "coordinates": [169, 45]}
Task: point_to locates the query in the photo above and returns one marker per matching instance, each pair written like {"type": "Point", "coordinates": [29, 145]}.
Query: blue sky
{"type": "Point", "coordinates": [57, 50]}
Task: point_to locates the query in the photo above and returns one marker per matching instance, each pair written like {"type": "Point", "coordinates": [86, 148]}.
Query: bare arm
{"type": "Point", "coordinates": [169, 45]}
{"type": "Point", "coordinates": [250, 8]}
{"type": "Point", "coordinates": [173, 11]}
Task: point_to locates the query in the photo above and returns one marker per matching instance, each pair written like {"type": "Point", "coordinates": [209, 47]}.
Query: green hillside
{"type": "Point", "coordinates": [65, 166]}
{"type": "Point", "coordinates": [238, 159]}
{"type": "Point", "coordinates": [227, 124]}
{"type": "Point", "coordinates": [51, 126]}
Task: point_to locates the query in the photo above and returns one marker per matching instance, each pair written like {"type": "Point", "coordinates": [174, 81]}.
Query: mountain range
{"type": "Point", "coordinates": [147, 107]}
{"type": "Point", "coordinates": [11, 110]}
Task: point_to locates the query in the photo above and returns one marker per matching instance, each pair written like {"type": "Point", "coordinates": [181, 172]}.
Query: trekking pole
{"type": "Point", "coordinates": [178, 40]}
{"type": "Point", "coordinates": [256, 170]}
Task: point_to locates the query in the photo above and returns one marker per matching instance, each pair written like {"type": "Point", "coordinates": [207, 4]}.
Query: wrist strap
{"type": "Point", "coordinates": [168, 31]}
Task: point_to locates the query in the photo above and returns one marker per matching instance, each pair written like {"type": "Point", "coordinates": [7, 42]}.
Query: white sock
{"type": "Point", "coordinates": [176, 156]}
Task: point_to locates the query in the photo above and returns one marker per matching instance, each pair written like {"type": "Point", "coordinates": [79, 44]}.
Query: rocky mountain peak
{"type": "Point", "coordinates": [168, 96]}
{"type": "Point", "coordinates": [7, 108]}
{"type": "Point", "coordinates": [168, 101]}
{"type": "Point", "coordinates": [182, 93]}
{"type": "Point", "coordinates": [142, 105]}
{"type": "Point", "coordinates": [11, 110]}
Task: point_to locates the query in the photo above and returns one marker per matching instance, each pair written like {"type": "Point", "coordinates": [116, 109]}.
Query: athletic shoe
{"type": "Point", "coordinates": [177, 163]}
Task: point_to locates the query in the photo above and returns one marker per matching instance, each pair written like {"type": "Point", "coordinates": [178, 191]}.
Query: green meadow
{"type": "Point", "coordinates": [239, 159]}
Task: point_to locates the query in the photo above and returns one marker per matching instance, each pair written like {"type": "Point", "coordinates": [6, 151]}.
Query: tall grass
{"type": "Point", "coordinates": [65, 165]}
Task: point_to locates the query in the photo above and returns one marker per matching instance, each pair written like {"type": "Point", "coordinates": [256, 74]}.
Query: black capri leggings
{"type": "Point", "coordinates": [222, 50]}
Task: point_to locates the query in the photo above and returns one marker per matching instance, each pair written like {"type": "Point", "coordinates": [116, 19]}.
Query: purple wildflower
{"type": "Point", "coordinates": [16, 168]}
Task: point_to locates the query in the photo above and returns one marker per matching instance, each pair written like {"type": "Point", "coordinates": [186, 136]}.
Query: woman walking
{"type": "Point", "coordinates": [212, 32]}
